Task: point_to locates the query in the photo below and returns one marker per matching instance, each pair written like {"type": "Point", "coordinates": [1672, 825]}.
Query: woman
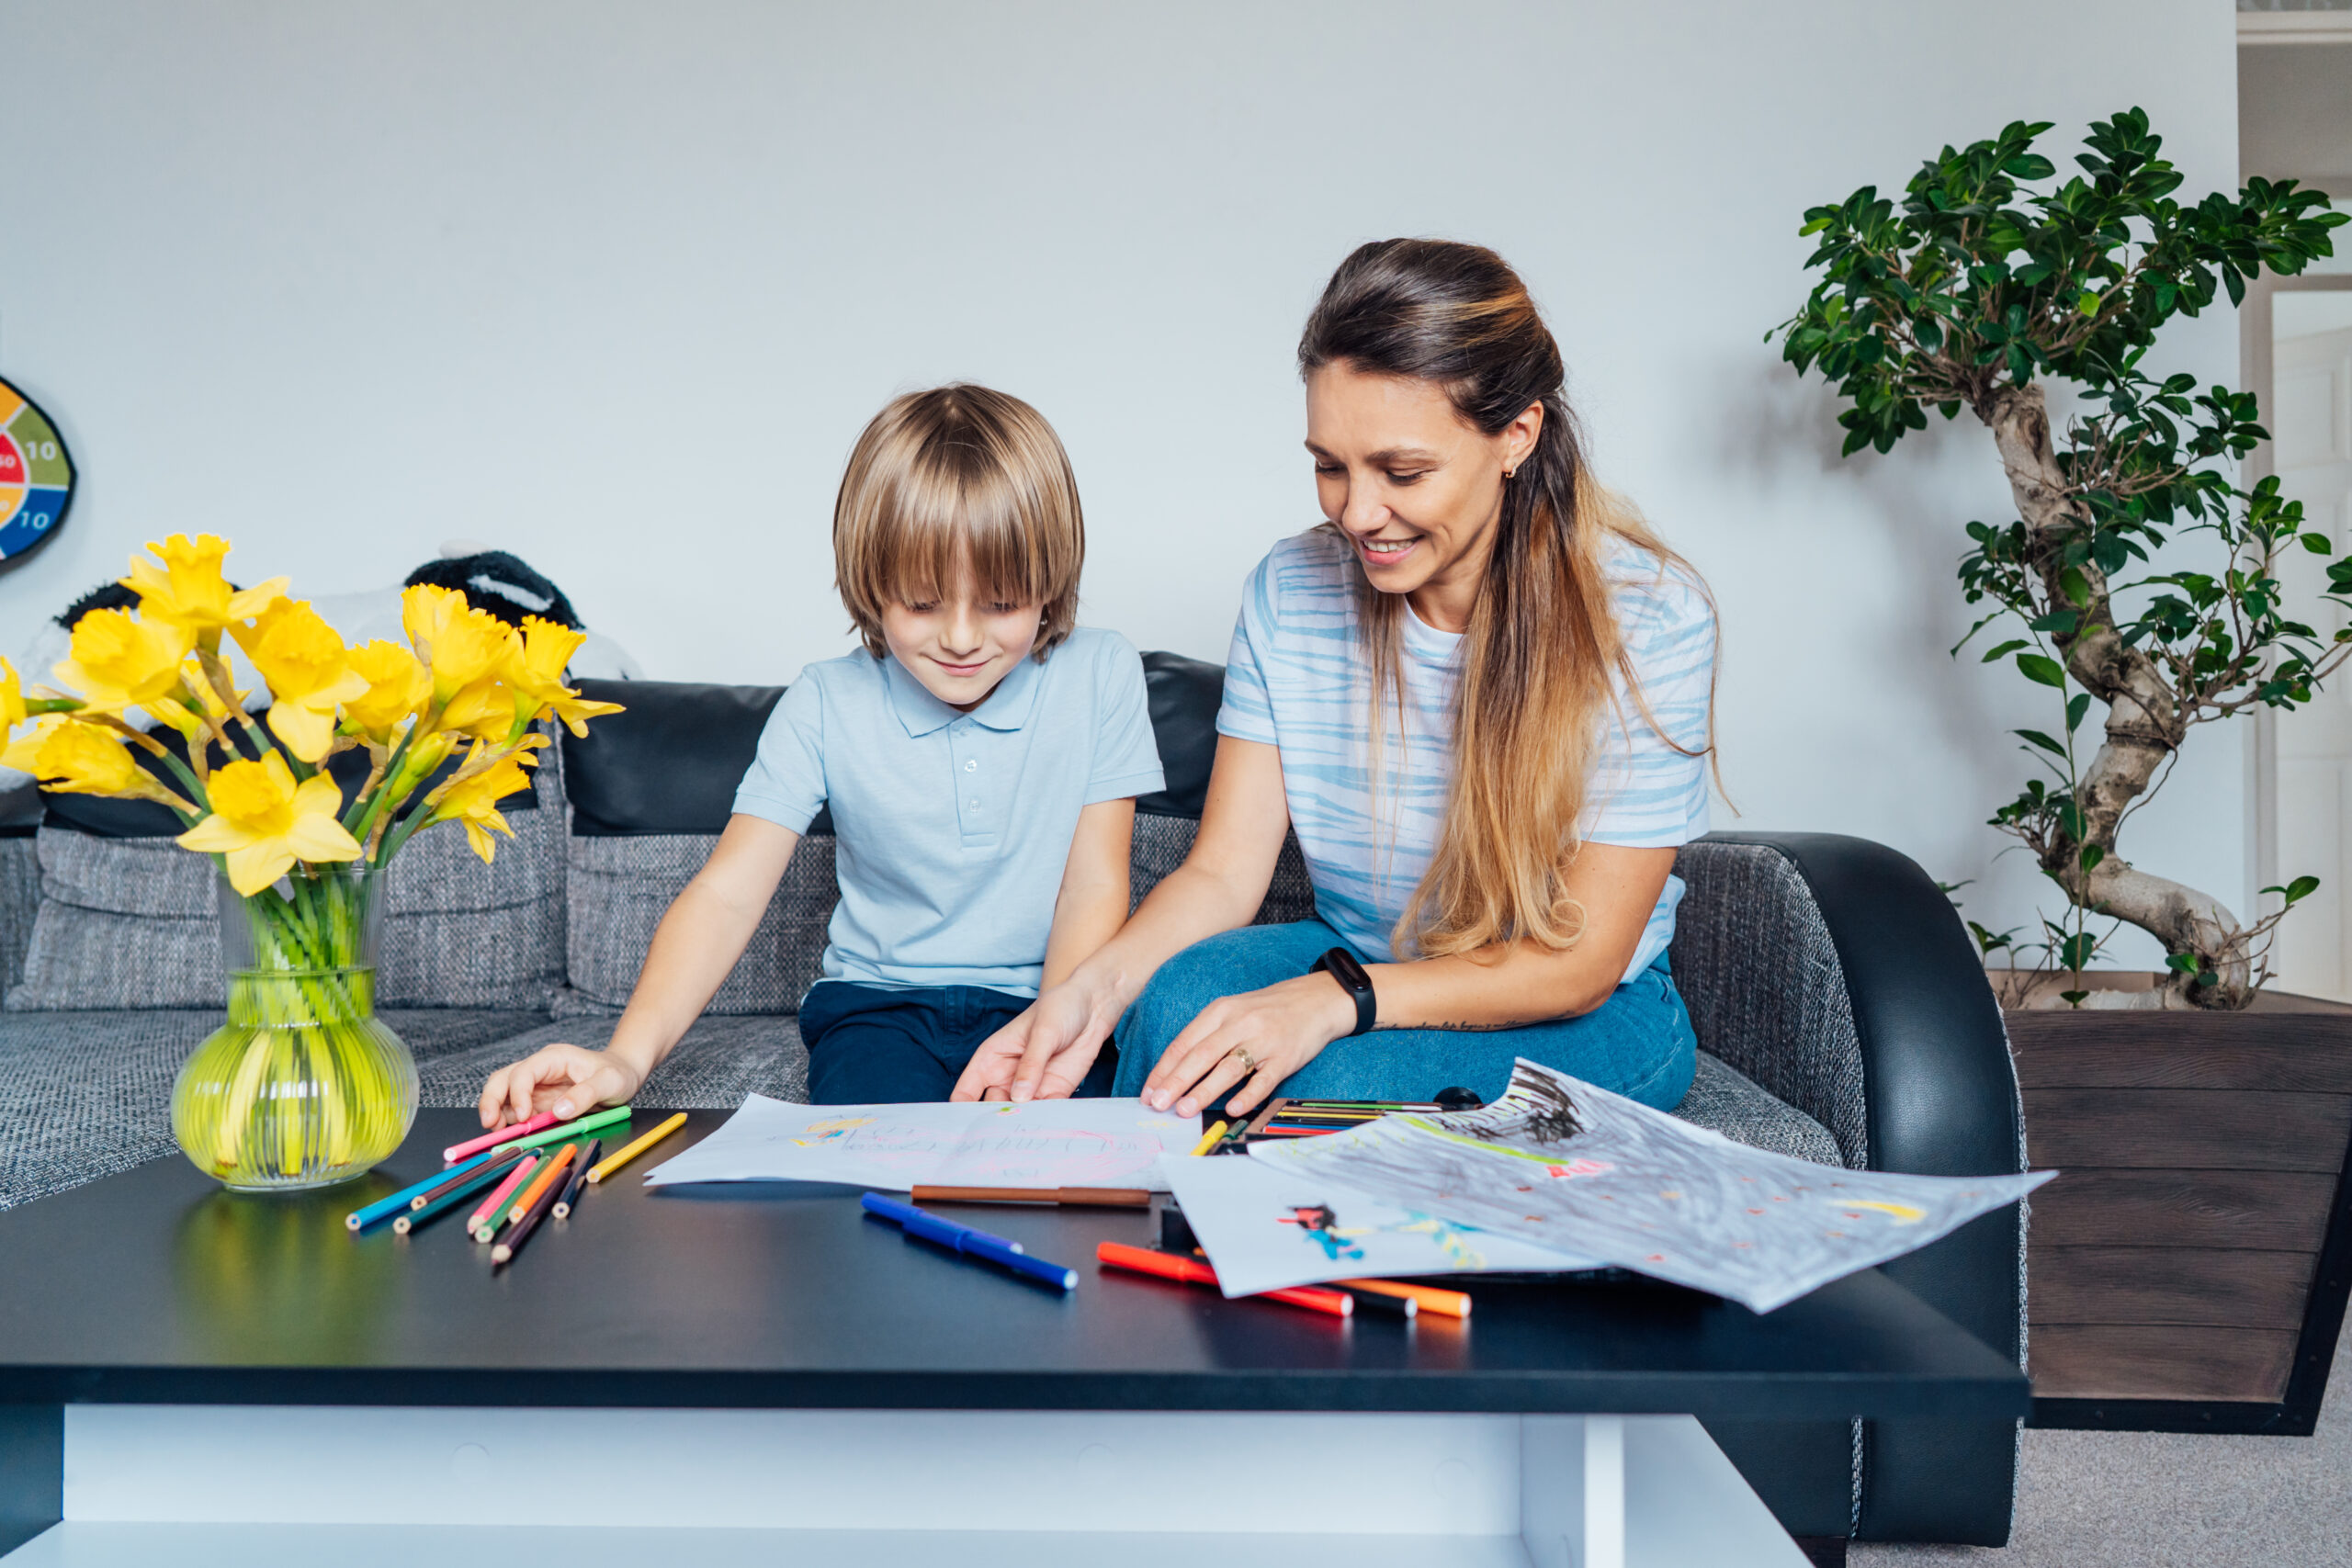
{"type": "Point", "coordinates": [1480, 694]}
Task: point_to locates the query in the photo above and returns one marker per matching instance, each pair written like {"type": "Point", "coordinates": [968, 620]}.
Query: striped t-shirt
{"type": "Point", "coordinates": [1298, 680]}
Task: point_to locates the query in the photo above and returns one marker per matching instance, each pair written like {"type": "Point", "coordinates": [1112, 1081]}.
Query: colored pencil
{"type": "Point", "coordinates": [1209, 1138]}
{"type": "Point", "coordinates": [513, 1242]}
{"type": "Point", "coordinates": [1193, 1272]}
{"type": "Point", "coordinates": [577, 1182]}
{"type": "Point", "coordinates": [546, 1180]}
{"type": "Point", "coordinates": [450, 1178]}
{"type": "Point", "coordinates": [385, 1207]}
{"type": "Point", "coordinates": [1451, 1304]}
{"type": "Point", "coordinates": [519, 1175]}
{"type": "Point", "coordinates": [569, 1129]}
{"type": "Point", "coordinates": [1090, 1197]}
{"type": "Point", "coordinates": [634, 1147]}
{"type": "Point", "coordinates": [481, 1176]}
{"type": "Point", "coordinates": [1380, 1105]}
{"type": "Point", "coordinates": [498, 1135]}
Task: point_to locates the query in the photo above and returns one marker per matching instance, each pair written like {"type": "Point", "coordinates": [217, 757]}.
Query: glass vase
{"type": "Point", "coordinates": [304, 1086]}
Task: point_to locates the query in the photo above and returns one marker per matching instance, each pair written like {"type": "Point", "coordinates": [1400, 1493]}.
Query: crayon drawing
{"type": "Point", "coordinates": [1557, 1160]}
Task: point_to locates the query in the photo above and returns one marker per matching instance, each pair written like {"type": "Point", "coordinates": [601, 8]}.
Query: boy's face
{"type": "Point", "coordinates": [960, 645]}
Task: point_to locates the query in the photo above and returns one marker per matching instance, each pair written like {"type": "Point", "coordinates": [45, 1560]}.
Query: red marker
{"type": "Point", "coordinates": [457, 1152]}
{"type": "Point", "coordinates": [1192, 1272]}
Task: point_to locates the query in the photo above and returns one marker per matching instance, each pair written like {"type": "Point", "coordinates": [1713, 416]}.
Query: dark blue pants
{"type": "Point", "coordinates": [871, 1046]}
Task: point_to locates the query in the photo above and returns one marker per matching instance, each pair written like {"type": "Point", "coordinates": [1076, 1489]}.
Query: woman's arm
{"type": "Point", "coordinates": [1047, 1049]}
{"type": "Point", "coordinates": [694, 950]}
{"type": "Point", "coordinates": [1284, 1026]}
{"type": "Point", "coordinates": [1092, 903]}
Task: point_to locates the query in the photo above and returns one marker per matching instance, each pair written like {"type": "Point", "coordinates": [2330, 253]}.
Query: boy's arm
{"type": "Point", "coordinates": [1092, 903]}
{"type": "Point", "coordinates": [694, 950]}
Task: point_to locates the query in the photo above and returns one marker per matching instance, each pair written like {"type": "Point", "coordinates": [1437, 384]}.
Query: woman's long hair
{"type": "Point", "coordinates": [1543, 645]}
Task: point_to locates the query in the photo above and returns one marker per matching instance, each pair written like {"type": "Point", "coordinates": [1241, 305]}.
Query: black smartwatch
{"type": "Point", "coordinates": [1343, 966]}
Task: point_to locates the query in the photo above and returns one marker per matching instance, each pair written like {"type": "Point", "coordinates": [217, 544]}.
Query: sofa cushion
{"type": "Point", "coordinates": [87, 1094]}
{"type": "Point", "coordinates": [618, 888]}
{"type": "Point", "coordinates": [670, 762]}
{"type": "Point", "coordinates": [130, 921]}
{"type": "Point", "coordinates": [720, 1061]}
{"type": "Point", "coordinates": [1755, 964]}
{"type": "Point", "coordinates": [1724, 1099]}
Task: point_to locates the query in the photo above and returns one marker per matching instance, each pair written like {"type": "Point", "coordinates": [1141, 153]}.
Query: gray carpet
{"type": "Point", "coordinates": [2152, 1500]}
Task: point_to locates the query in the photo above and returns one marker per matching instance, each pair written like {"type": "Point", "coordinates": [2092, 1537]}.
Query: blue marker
{"type": "Point", "coordinates": [385, 1207]}
{"type": "Point", "coordinates": [971, 1243]}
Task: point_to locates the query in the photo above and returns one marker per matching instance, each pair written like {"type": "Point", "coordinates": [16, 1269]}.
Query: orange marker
{"type": "Point", "coordinates": [548, 1174]}
{"type": "Point", "coordinates": [1452, 1303]}
{"type": "Point", "coordinates": [1192, 1272]}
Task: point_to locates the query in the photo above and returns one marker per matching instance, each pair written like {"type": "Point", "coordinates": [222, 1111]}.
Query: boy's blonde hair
{"type": "Point", "coordinates": [952, 479]}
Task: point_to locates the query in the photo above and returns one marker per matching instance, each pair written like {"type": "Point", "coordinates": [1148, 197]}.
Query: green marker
{"type": "Point", "coordinates": [568, 1129]}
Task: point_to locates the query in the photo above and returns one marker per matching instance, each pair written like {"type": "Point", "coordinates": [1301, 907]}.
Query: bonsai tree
{"type": "Point", "coordinates": [1988, 280]}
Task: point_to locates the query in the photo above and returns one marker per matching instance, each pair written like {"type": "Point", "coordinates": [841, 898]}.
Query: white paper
{"type": "Point", "coordinates": [1265, 1226]}
{"type": "Point", "coordinates": [1043, 1143]}
{"type": "Point", "coordinates": [1561, 1162]}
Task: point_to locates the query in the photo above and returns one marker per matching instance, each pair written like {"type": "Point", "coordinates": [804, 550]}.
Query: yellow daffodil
{"type": "Point", "coordinates": [12, 698]}
{"type": "Point", "coordinates": [188, 591]}
{"type": "Point", "coordinates": [397, 687]}
{"type": "Point", "coordinates": [541, 655]}
{"type": "Point", "coordinates": [309, 673]}
{"type": "Point", "coordinates": [263, 822]}
{"type": "Point", "coordinates": [90, 758]}
{"type": "Point", "coordinates": [486, 710]}
{"type": "Point", "coordinates": [475, 801]}
{"type": "Point", "coordinates": [462, 644]}
{"type": "Point", "coordinates": [24, 751]}
{"type": "Point", "coordinates": [121, 661]}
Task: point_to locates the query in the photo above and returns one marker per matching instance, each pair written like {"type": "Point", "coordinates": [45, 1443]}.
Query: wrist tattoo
{"type": "Point", "coordinates": [1463, 1026]}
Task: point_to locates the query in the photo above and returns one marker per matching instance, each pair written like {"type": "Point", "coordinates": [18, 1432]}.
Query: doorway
{"type": "Point", "coordinates": [2295, 122]}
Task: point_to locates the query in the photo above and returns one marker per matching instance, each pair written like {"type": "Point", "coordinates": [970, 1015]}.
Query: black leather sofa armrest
{"type": "Point", "coordinates": [1942, 1096]}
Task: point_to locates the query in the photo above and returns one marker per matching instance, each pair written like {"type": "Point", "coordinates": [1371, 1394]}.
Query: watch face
{"type": "Point", "coordinates": [36, 476]}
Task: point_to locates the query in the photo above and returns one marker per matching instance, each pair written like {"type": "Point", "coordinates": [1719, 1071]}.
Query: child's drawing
{"type": "Point", "coordinates": [1644, 1191]}
{"type": "Point", "coordinates": [1265, 1228]}
{"type": "Point", "coordinates": [1042, 1143]}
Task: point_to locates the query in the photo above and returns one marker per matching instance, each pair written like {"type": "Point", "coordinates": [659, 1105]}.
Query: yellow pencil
{"type": "Point", "coordinates": [634, 1147]}
{"type": "Point", "coordinates": [1209, 1138]}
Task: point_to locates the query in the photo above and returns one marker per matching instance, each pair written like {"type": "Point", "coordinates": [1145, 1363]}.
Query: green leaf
{"type": "Point", "coordinates": [2005, 649]}
{"type": "Point", "coordinates": [2052, 747]}
{"type": "Point", "coordinates": [2318, 545]}
{"type": "Point", "coordinates": [2077, 706]}
{"type": "Point", "coordinates": [2075, 587]}
{"type": "Point", "coordinates": [2300, 888]}
{"type": "Point", "coordinates": [2092, 854]}
{"type": "Point", "coordinates": [2048, 671]}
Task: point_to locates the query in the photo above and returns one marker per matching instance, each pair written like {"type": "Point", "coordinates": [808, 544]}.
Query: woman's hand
{"type": "Point", "coordinates": [1279, 1030]}
{"type": "Point", "coordinates": [565, 1079]}
{"type": "Point", "coordinates": [1043, 1054]}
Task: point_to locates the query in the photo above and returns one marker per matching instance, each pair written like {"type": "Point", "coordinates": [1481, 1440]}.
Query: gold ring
{"type": "Point", "coordinates": [1242, 1055]}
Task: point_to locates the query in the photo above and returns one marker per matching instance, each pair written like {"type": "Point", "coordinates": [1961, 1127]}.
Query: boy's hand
{"type": "Point", "coordinates": [1041, 1055]}
{"type": "Point", "coordinates": [562, 1078]}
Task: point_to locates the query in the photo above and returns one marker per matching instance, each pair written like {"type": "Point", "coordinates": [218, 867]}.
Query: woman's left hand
{"type": "Point", "coordinates": [1259, 1036]}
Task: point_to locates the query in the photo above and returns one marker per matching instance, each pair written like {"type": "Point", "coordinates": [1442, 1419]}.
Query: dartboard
{"type": "Point", "coordinates": [36, 475]}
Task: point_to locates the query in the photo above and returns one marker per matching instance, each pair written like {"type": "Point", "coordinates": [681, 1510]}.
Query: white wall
{"type": "Point", "coordinates": [613, 287]}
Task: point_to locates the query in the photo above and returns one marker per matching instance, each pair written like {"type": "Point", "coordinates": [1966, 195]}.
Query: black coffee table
{"type": "Point", "coordinates": [156, 1288]}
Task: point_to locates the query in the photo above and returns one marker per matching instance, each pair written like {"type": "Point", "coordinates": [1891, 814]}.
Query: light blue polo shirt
{"type": "Point", "coordinates": [951, 829]}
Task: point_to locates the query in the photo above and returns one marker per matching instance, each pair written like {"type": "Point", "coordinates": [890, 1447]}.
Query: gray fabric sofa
{"type": "Point", "coordinates": [1829, 983]}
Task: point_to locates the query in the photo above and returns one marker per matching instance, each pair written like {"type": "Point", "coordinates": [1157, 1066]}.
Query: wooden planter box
{"type": "Point", "coordinates": [2188, 1270]}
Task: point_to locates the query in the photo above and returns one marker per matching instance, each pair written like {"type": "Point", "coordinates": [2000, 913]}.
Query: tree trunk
{"type": "Point", "coordinates": [2144, 724]}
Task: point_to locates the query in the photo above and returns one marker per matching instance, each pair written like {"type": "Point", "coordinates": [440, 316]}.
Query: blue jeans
{"type": "Point", "coordinates": [873, 1045]}
{"type": "Point", "coordinates": [1638, 1043]}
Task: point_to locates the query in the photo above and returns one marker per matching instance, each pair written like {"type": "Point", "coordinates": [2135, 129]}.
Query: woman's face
{"type": "Point", "coordinates": [1417, 489]}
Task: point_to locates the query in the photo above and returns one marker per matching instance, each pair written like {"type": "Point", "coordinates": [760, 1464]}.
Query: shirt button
{"type": "Point", "coordinates": [972, 767]}
{"type": "Point", "coordinates": [975, 806]}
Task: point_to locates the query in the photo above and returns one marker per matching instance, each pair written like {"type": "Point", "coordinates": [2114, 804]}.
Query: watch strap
{"type": "Point", "coordinates": [1349, 970]}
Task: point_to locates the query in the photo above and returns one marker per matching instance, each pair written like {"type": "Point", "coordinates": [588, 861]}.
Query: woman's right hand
{"type": "Point", "coordinates": [1045, 1052]}
{"type": "Point", "coordinates": [565, 1079]}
